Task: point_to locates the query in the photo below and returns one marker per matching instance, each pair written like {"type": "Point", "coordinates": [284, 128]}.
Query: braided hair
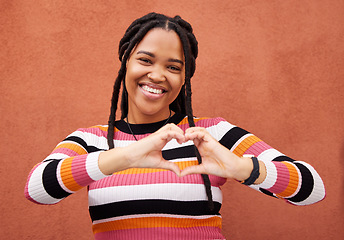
{"type": "Point", "coordinates": [182, 104]}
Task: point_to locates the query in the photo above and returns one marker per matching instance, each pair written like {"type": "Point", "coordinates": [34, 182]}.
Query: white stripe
{"type": "Point", "coordinates": [166, 191]}
{"type": "Point", "coordinates": [154, 215]}
{"type": "Point", "coordinates": [56, 156]}
{"type": "Point", "coordinates": [271, 176]}
{"type": "Point", "coordinates": [271, 172]}
{"type": "Point", "coordinates": [222, 128]}
{"type": "Point", "coordinates": [101, 142]}
{"type": "Point", "coordinates": [269, 155]}
{"type": "Point", "coordinates": [77, 133]}
{"type": "Point", "coordinates": [92, 166]}
{"type": "Point", "coordinates": [223, 125]}
{"type": "Point", "coordinates": [93, 139]}
{"type": "Point", "coordinates": [174, 144]}
{"type": "Point", "coordinates": [214, 132]}
{"type": "Point", "coordinates": [122, 143]}
{"type": "Point", "coordinates": [36, 188]}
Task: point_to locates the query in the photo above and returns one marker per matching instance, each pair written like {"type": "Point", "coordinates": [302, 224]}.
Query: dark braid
{"type": "Point", "coordinates": [121, 75]}
{"type": "Point", "coordinates": [182, 104]}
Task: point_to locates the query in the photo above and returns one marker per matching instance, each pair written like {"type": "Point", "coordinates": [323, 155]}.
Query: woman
{"type": "Point", "coordinates": [157, 172]}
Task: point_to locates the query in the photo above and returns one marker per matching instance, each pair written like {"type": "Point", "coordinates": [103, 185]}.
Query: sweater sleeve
{"type": "Point", "coordinates": [296, 182]}
{"type": "Point", "coordinates": [71, 166]}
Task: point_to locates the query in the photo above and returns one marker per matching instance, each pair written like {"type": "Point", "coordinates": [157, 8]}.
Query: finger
{"type": "Point", "coordinates": [171, 126]}
{"type": "Point", "coordinates": [168, 131]}
{"type": "Point", "coordinates": [177, 134]}
{"type": "Point", "coordinates": [194, 129]}
{"type": "Point", "coordinates": [200, 135]}
{"type": "Point", "coordinates": [170, 166]}
{"type": "Point", "coordinates": [169, 135]}
{"type": "Point", "coordinates": [195, 169]}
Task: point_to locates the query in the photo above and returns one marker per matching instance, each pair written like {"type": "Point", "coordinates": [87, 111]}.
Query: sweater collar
{"type": "Point", "coordinates": [147, 127]}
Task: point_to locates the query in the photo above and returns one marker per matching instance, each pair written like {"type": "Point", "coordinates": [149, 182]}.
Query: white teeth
{"type": "Point", "coordinates": [151, 90]}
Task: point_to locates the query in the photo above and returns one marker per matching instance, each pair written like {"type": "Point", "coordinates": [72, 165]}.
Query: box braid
{"type": "Point", "coordinates": [133, 35]}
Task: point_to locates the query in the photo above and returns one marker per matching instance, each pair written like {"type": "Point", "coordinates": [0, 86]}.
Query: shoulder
{"type": "Point", "coordinates": [96, 130]}
{"type": "Point", "coordinates": [207, 122]}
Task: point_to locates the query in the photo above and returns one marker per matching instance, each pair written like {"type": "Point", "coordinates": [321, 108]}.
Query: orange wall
{"type": "Point", "coordinates": [273, 67]}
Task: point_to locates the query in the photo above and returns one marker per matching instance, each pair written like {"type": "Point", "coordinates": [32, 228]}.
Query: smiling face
{"type": "Point", "coordinates": [155, 75]}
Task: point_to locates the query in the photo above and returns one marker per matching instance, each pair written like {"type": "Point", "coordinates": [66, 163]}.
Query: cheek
{"type": "Point", "coordinates": [134, 71]}
{"type": "Point", "coordinates": [130, 72]}
{"type": "Point", "coordinates": [177, 85]}
{"type": "Point", "coordinates": [179, 81]}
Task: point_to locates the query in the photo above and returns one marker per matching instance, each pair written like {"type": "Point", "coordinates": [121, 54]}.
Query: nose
{"type": "Point", "coordinates": [156, 76]}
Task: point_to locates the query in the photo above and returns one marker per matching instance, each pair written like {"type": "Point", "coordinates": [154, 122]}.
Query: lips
{"type": "Point", "coordinates": [150, 88]}
{"type": "Point", "coordinates": [152, 91]}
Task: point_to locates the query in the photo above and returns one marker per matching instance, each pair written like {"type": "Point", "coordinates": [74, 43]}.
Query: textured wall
{"type": "Point", "coordinates": [273, 67]}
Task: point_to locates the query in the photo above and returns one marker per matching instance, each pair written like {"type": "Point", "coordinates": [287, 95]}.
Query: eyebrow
{"type": "Point", "coordinates": [152, 55]}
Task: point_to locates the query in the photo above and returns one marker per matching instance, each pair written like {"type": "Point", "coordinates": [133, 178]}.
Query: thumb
{"type": "Point", "coordinates": [170, 166]}
{"type": "Point", "coordinates": [195, 169]}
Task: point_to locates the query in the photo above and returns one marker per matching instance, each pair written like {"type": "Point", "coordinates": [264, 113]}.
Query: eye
{"type": "Point", "coordinates": [145, 60]}
{"type": "Point", "coordinates": [174, 68]}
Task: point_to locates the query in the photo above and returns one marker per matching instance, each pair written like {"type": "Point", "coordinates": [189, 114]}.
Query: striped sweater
{"type": "Point", "coordinates": [155, 203]}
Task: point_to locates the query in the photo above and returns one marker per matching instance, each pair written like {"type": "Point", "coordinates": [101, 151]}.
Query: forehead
{"type": "Point", "coordinates": [162, 42]}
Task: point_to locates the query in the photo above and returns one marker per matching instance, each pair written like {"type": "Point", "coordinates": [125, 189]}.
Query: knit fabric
{"type": "Point", "coordinates": [155, 203]}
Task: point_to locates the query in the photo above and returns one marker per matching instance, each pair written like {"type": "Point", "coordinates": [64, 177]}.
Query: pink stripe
{"type": "Point", "coordinates": [208, 122]}
{"type": "Point", "coordinates": [79, 171]}
{"type": "Point", "coordinates": [185, 126]}
{"type": "Point", "coordinates": [282, 178]}
{"type": "Point", "coordinates": [66, 151]}
{"type": "Point", "coordinates": [153, 178]}
{"type": "Point", "coordinates": [163, 233]}
{"type": "Point", "coordinates": [94, 130]}
{"type": "Point", "coordinates": [257, 148]}
{"type": "Point", "coordinates": [124, 136]}
{"type": "Point", "coordinates": [119, 135]}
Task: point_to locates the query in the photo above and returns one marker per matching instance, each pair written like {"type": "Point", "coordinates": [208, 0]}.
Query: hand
{"type": "Point", "coordinates": [145, 153]}
{"type": "Point", "coordinates": [216, 159]}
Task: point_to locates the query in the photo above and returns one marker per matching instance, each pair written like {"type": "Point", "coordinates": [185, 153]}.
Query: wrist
{"type": "Point", "coordinates": [112, 161]}
{"type": "Point", "coordinates": [252, 171]}
{"type": "Point", "coordinates": [254, 175]}
{"type": "Point", "coordinates": [244, 169]}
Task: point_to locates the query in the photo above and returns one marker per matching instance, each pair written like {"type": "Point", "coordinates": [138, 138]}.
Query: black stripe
{"type": "Point", "coordinates": [91, 149]}
{"type": "Point", "coordinates": [152, 207]}
{"type": "Point", "coordinates": [50, 182]}
{"type": "Point", "coordinates": [180, 152]}
{"type": "Point", "coordinates": [232, 136]}
{"type": "Point", "coordinates": [307, 184]}
{"type": "Point", "coordinates": [267, 192]}
{"type": "Point", "coordinates": [77, 140]}
{"type": "Point", "coordinates": [283, 158]}
{"type": "Point", "coordinates": [147, 127]}
{"type": "Point", "coordinates": [81, 142]}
